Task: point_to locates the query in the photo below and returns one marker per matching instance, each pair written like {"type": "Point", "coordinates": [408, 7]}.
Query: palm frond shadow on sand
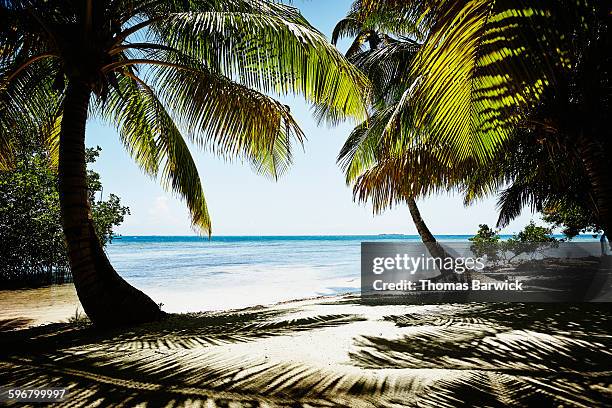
{"type": "Point", "coordinates": [330, 353]}
{"type": "Point", "coordinates": [14, 323]}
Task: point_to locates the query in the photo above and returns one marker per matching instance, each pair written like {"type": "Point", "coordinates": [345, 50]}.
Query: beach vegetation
{"type": "Point", "coordinates": [79, 319]}
{"type": "Point", "coordinates": [33, 248]}
{"type": "Point", "coordinates": [485, 243]}
{"type": "Point", "coordinates": [528, 243]}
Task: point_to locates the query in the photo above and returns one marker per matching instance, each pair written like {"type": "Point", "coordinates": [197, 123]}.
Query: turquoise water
{"type": "Point", "coordinates": [193, 274]}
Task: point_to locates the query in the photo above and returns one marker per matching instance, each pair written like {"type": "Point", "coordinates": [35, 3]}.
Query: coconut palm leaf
{"type": "Point", "coordinates": [361, 150]}
{"type": "Point", "coordinates": [29, 107]}
{"type": "Point", "coordinates": [269, 52]}
{"type": "Point", "coordinates": [484, 64]}
{"type": "Point", "coordinates": [230, 119]}
{"type": "Point", "coordinates": [347, 27]}
{"type": "Point", "coordinates": [534, 169]}
{"type": "Point", "coordinates": [152, 138]}
{"type": "Point", "coordinates": [394, 178]}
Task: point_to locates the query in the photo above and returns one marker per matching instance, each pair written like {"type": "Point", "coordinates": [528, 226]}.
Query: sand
{"type": "Point", "coordinates": [326, 352]}
{"type": "Point", "coordinates": [38, 306]}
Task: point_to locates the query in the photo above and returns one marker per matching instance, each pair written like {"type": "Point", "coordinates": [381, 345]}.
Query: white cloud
{"type": "Point", "coordinates": [160, 208]}
{"type": "Point", "coordinates": [163, 215]}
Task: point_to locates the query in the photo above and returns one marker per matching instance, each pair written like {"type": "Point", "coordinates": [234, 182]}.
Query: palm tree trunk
{"type": "Point", "coordinates": [435, 249]}
{"type": "Point", "coordinates": [594, 141]}
{"type": "Point", "coordinates": [427, 237]}
{"type": "Point", "coordinates": [107, 298]}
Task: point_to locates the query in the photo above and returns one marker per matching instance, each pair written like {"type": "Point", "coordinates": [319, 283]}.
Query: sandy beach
{"type": "Point", "coordinates": [331, 351]}
{"type": "Point", "coordinates": [38, 306]}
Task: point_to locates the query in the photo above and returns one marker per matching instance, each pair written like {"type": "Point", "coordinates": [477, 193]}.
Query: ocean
{"type": "Point", "coordinates": [189, 274]}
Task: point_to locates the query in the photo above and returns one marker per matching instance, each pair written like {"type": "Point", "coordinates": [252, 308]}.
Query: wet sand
{"type": "Point", "coordinates": [33, 307]}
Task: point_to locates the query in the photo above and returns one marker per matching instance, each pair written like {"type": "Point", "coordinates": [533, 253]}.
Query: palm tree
{"type": "Point", "coordinates": [541, 172]}
{"type": "Point", "coordinates": [165, 73]}
{"type": "Point", "coordinates": [486, 65]}
{"type": "Point", "coordinates": [385, 61]}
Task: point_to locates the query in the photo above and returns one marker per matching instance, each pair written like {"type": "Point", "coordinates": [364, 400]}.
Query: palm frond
{"type": "Point", "coordinates": [483, 65]}
{"type": "Point", "coordinates": [531, 169]}
{"type": "Point", "coordinates": [28, 108]}
{"type": "Point", "coordinates": [153, 140]}
{"type": "Point", "coordinates": [272, 54]}
{"type": "Point", "coordinates": [388, 68]}
{"type": "Point", "coordinates": [347, 27]}
{"type": "Point", "coordinates": [228, 118]}
{"type": "Point", "coordinates": [362, 149]}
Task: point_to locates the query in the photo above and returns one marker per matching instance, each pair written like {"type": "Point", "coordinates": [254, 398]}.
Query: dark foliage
{"type": "Point", "coordinates": [32, 245]}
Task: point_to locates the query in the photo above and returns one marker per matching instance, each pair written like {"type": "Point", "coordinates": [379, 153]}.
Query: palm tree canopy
{"type": "Point", "coordinates": [481, 95]}
{"type": "Point", "coordinates": [169, 73]}
{"type": "Point", "coordinates": [535, 170]}
{"type": "Point", "coordinates": [386, 163]}
{"type": "Point", "coordinates": [484, 64]}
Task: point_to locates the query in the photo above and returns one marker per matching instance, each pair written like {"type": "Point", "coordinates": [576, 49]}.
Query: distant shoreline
{"type": "Point", "coordinates": [441, 237]}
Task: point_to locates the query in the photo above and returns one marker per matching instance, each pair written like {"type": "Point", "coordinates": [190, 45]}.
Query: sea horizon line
{"type": "Point", "coordinates": [391, 235]}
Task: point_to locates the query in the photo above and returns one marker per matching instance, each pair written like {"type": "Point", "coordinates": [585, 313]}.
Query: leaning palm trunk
{"type": "Point", "coordinates": [106, 297]}
{"type": "Point", "coordinates": [426, 235]}
{"type": "Point", "coordinates": [435, 249]}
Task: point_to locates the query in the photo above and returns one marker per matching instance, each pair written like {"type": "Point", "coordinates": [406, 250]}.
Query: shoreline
{"type": "Point", "coordinates": [31, 307]}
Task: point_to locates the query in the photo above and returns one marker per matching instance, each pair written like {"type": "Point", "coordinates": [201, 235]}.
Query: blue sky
{"type": "Point", "coordinates": [311, 199]}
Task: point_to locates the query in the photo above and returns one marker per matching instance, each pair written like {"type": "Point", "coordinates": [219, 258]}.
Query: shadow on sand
{"type": "Point", "coordinates": [328, 352]}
